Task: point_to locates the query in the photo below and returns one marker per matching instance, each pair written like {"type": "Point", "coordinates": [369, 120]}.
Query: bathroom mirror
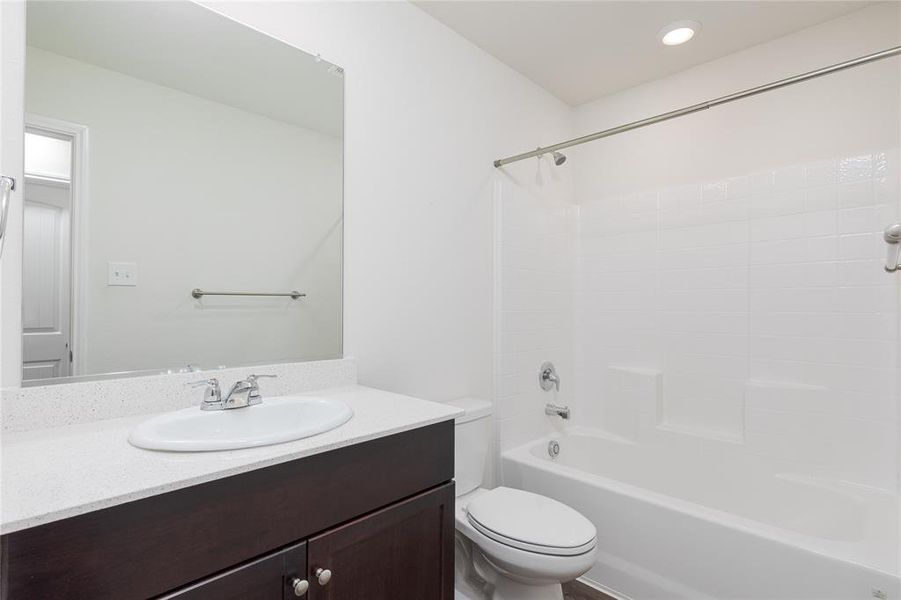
{"type": "Point", "coordinates": [173, 158]}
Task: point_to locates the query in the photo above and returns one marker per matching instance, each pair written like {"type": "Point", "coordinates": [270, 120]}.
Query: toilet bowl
{"type": "Point", "coordinates": [511, 544]}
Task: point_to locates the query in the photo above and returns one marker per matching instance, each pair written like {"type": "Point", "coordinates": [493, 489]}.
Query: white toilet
{"type": "Point", "coordinates": [510, 544]}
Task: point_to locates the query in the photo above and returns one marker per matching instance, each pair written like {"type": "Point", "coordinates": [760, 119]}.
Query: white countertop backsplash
{"type": "Point", "coordinates": [24, 409]}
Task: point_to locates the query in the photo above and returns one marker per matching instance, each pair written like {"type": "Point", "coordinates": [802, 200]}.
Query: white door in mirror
{"type": "Point", "coordinates": [274, 421]}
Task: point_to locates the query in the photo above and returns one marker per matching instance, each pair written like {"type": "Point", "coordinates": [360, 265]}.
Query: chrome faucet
{"type": "Point", "coordinates": [547, 379]}
{"type": "Point", "coordinates": [243, 393]}
{"type": "Point", "coordinates": [558, 411]}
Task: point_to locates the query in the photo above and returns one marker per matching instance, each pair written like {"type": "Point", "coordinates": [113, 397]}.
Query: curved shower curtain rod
{"type": "Point", "coordinates": [704, 105]}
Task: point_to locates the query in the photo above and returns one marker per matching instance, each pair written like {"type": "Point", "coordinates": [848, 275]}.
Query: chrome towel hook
{"type": "Point", "coordinates": [7, 185]}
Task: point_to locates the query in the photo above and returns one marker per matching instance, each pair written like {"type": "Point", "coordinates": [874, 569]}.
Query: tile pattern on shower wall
{"type": "Point", "coordinates": [534, 294]}
{"type": "Point", "coordinates": [762, 303]}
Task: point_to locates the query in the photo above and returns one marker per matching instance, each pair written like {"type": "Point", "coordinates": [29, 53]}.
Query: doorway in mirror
{"type": "Point", "coordinates": [50, 209]}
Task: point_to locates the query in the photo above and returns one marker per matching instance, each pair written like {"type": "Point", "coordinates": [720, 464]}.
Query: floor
{"type": "Point", "coordinates": [574, 590]}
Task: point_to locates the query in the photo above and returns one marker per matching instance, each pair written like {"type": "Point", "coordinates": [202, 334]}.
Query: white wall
{"type": "Point", "coordinates": [426, 113]}
{"type": "Point", "coordinates": [12, 76]}
{"type": "Point", "coordinates": [731, 295]}
{"type": "Point", "coordinates": [197, 194]}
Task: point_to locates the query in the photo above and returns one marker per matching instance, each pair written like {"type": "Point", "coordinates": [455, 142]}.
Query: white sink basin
{"type": "Point", "coordinates": [274, 421]}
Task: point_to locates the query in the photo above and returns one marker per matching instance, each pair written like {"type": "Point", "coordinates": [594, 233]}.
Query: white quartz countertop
{"type": "Point", "coordinates": [51, 474]}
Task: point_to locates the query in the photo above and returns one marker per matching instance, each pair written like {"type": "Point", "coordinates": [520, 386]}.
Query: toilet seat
{"type": "Point", "coordinates": [531, 522]}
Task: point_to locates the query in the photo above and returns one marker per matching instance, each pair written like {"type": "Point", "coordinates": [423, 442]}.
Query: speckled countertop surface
{"type": "Point", "coordinates": [51, 474]}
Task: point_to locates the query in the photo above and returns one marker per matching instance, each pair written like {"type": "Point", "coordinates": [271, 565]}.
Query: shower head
{"type": "Point", "coordinates": [559, 158]}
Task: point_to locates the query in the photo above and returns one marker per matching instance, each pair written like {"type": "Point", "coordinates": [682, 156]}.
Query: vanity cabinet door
{"type": "Point", "coordinates": [267, 578]}
{"type": "Point", "coordinates": [402, 552]}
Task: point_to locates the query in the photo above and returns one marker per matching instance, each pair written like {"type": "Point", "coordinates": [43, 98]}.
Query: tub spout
{"type": "Point", "coordinates": [559, 411]}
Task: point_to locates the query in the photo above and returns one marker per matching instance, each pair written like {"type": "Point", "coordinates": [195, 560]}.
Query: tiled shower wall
{"type": "Point", "coordinates": [535, 246]}
{"type": "Point", "coordinates": [751, 315]}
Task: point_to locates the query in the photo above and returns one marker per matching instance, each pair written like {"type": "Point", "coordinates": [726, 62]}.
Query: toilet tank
{"type": "Point", "coordinates": [472, 443]}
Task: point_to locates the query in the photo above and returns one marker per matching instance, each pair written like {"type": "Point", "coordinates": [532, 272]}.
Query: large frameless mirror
{"type": "Point", "coordinates": [183, 193]}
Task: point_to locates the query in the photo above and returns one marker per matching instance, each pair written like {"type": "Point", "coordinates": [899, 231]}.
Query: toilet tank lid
{"type": "Point", "coordinates": [475, 408]}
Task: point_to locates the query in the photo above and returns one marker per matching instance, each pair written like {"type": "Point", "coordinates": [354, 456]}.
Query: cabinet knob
{"type": "Point", "coordinates": [300, 586]}
{"type": "Point", "coordinates": [323, 576]}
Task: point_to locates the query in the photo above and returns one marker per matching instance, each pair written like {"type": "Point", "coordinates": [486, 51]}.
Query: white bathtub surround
{"type": "Point", "coordinates": [51, 474]}
{"type": "Point", "coordinates": [753, 311]}
{"type": "Point", "coordinates": [635, 398]}
{"type": "Point", "coordinates": [691, 526]}
{"type": "Point", "coordinates": [58, 405]}
{"type": "Point", "coordinates": [735, 353]}
{"type": "Point", "coordinates": [535, 242]}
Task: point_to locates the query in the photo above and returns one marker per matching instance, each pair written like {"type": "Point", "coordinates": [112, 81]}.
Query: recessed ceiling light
{"type": "Point", "coordinates": [678, 32]}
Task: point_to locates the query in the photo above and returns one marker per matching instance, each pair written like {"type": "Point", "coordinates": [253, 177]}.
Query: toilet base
{"type": "Point", "coordinates": [475, 578]}
{"type": "Point", "coordinates": [502, 585]}
{"type": "Point", "coordinates": [468, 584]}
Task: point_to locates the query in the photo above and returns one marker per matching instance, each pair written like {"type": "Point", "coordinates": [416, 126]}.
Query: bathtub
{"type": "Point", "coordinates": [694, 526]}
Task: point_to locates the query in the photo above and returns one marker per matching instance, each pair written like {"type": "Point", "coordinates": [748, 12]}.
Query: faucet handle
{"type": "Point", "coordinates": [212, 396]}
{"type": "Point", "coordinates": [547, 377]}
{"type": "Point", "coordinates": [212, 382]}
{"type": "Point", "coordinates": [254, 396]}
{"type": "Point", "coordinates": [253, 378]}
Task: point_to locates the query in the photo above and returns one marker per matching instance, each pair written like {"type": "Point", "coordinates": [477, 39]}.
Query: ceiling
{"type": "Point", "coordinates": [582, 50]}
{"type": "Point", "coordinates": [187, 47]}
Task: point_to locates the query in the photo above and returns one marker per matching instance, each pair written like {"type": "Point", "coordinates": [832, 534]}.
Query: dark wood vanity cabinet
{"type": "Point", "coordinates": [404, 552]}
{"type": "Point", "coordinates": [397, 553]}
{"type": "Point", "coordinates": [378, 515]}
{"type": "Point", "coordinates": [267, 578]}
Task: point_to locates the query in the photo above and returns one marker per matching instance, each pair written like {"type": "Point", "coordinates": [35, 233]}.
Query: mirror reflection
{"type": "Point", "coordinates": [168, 150]}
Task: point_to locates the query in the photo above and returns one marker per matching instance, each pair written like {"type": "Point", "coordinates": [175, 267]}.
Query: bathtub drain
{"type": "Point", "coordinates": [553, 448]}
